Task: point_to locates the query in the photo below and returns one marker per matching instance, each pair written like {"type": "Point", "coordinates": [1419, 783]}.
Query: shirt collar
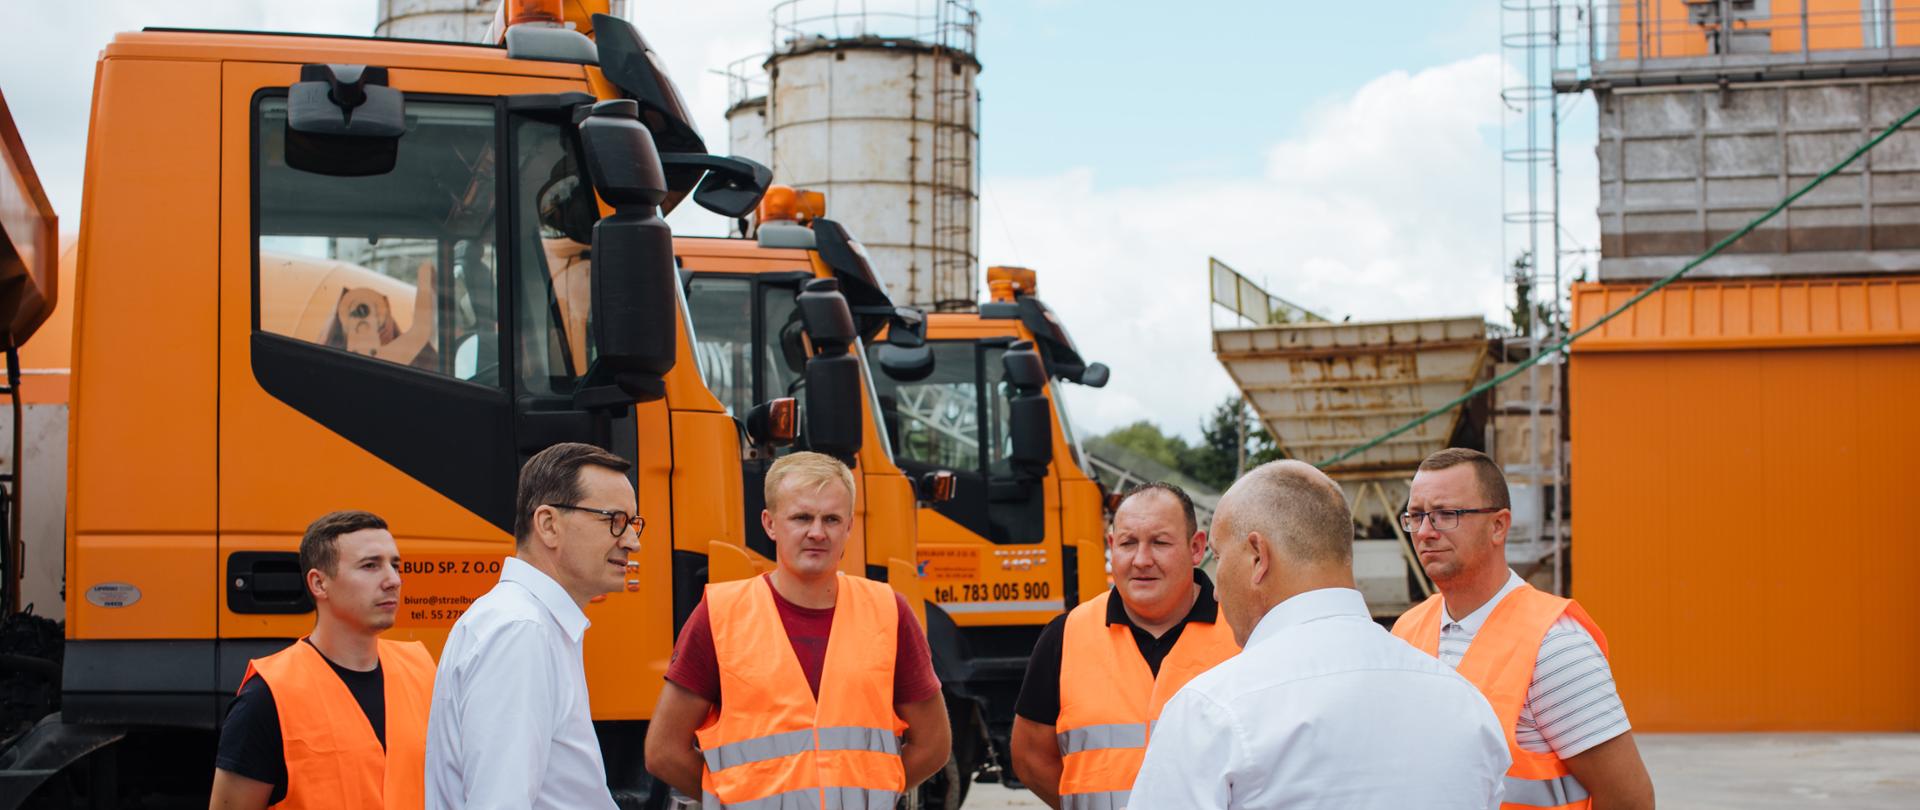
{"type": "Point", "coordinates": [549, 593]}
{"type": "Point", "coordinates": [1324, 603]}
{"type": "Point", "coordinates": [1471, 624]}
{"type": "Point", "coordinates": [1206, 609]}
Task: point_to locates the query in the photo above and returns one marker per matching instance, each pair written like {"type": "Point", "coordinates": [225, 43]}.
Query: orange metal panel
{"type": "Point", "coordinates": [1758, 313]}
{"type": "Point", "coordinates": [151, 319]}
{"type": "Point", "coordinates": [1743, 505]}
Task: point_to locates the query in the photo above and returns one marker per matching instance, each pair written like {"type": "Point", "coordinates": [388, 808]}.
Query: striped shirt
{"type": "Point", "coordinates": [1572, 704]}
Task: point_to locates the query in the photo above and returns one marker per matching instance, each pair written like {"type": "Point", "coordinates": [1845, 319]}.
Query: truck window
{"type": "Point", "coordinates": [555, 213]}
{"type": "Point", "coordinates": [396, 267]}
{"type": "Point", "coordinates": [939, 417]}
{"type": "Point", "coordinates": [779, 309]}
{"type": "Point", "coordinates": [723, 338]}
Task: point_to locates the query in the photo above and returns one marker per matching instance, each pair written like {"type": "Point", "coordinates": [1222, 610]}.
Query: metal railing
{"type": "Point", "coordinates": [949, 24]}
{"type": "Point", "coordinates": [1637, 30]}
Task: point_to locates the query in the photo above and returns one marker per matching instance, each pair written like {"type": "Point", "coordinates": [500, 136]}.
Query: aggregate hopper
{"type": "Point", "coordinates": [1323, 388]}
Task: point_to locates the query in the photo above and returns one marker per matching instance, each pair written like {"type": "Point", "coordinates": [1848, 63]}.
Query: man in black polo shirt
{"type": "Point", "coordinates": [1100, 674]}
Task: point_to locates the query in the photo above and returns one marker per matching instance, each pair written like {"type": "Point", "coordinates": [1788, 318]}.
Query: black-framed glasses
{"type": "Point", "coordinates": [1443, 519]}
{"type": "Point", "coordinates": [617, 521]}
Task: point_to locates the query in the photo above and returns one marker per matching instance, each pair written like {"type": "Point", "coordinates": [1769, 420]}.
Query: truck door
{"type": "Point", "coordinates": [747, 337]}
{"type": "Point", "coordinates": [397, 342]}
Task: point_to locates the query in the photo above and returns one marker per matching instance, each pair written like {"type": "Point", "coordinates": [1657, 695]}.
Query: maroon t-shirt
{"type": "Point", "coordinates": [696, 668]}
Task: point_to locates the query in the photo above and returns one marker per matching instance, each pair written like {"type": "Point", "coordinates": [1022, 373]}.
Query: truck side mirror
{"type": "Point", "coordinates": [1095, 376]}
{"type": "Point", "coordinates": [774, 423]}
{"type": "Point", "coordinates": [907, 328]}
{"type": "Point", "coordinates": [344, 121]}
{"type": "Point", "coordinates": [634, 298]}
{"type": "Point", "coordinates": [937, 486]}
{"type": "Point", "coordinates": [1029, 415]}
{"type": "Point", "coordinates": [733, 185]}
{"type": "Point", "coordinates": [833, 373]}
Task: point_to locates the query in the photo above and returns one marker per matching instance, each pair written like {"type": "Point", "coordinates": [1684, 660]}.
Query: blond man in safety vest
{"type": "Point", "coordinates": [338, 718]}
{"type": "Point", "coordinates": [1100, 674]}
{"type": "Point", "coordinates": [1539, 659]}
{"type": "Point", "coordinates": [794, 688]}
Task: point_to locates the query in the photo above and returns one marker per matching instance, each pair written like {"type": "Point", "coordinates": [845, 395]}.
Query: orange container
{"type": "Point", "coordinates": [1744, 462]}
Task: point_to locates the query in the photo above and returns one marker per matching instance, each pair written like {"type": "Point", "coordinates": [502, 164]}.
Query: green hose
{"type": "Point", "coordinates": [1568, 340]}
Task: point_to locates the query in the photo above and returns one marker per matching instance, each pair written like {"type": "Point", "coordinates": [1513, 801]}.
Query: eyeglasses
{"type": "Point", "coordinates": [1443, 519]}
{"type": "Point", "coordinates": [617, 521]}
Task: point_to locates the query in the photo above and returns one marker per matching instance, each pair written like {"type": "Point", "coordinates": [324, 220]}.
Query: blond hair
{"type": "Point", "coordinates": [813, 471]}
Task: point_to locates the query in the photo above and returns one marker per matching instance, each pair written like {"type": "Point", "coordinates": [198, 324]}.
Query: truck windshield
{"type": "Point", "coordinates": [949, 418]}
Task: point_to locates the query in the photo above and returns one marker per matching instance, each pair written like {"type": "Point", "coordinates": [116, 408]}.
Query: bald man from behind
{"type": "Point", "coordinates": [1323, 708]}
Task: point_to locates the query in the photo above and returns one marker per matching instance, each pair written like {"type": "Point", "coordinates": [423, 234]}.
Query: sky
{"type": "Point", "coordinates": [1347, 160]}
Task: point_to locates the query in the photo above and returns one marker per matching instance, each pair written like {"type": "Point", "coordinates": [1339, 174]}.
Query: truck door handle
{"type": "Point", "coordinates": [266, 582]}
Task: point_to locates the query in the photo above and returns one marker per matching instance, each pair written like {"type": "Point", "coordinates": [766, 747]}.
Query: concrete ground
{"type": "Point", "coordinates": [1729, 771]}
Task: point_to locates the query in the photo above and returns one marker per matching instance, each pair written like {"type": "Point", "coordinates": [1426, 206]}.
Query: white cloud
{"type": "Point", "coordinates": [1385, 206]}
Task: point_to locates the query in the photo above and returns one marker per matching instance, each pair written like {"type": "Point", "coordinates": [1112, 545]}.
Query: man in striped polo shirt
{"type": "Point", "coordinates": [1540, 659]}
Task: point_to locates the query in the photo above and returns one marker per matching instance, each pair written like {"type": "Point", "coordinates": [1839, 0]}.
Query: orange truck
{"type": "Point", "coordinates": [1023, 538]}
{"type": "Point", "coordinates": [329, 272]}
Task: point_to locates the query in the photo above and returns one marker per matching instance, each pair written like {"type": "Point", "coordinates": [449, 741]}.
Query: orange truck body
{"type": "Point", "coordinates": [185, 467]}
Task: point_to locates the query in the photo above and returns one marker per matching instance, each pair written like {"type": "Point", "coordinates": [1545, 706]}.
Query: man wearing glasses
{"type": "Point", "coordinates": [1539, 659]}
{"type": "Point", "coordinates": [510, 725]}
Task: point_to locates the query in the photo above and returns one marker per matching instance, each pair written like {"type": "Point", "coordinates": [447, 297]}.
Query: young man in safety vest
{"type": "Point", "coordinates": [338, 718]}
{"type": "Point", "coordinates": [1540, 659]}
{"type": "Point", "coordinates": [793, 688]}
{"type": "Point", "coordinates": [1100, 674]}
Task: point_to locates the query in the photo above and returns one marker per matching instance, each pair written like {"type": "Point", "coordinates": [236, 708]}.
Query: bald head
{"type": "Point", "coordinates": [1300, 509]}
{"type": "Point", "coordinates": [1282, 530]}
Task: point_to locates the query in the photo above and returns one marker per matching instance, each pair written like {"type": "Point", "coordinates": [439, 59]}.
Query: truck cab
{"type": "Point", "coordinates": [319, 273]}
{"type": "Point", "coordinates": [1023, 538]}
{"type": "Point", "coordinates": [756, 342]}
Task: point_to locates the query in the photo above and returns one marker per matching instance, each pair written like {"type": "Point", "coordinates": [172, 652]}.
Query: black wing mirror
{"type": "Point", "coordinates": [344, 121]}
{"type": "Point", "coordinates": [907, 328]}
{"type": "Point", "coordinates": [1095, 376]}
{"type": "Point", "coordinates": [733, 185]}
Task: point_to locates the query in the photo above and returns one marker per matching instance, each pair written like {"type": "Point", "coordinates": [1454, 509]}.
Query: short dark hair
{"type": "Point", "coordinates": [553, 476]}
{"type": "Point", "coordinates": [1493, 483]}
{"type": "Point", "coordinates": [317, 549]}
{"type": "Point", "coordinates": [1180, 495]}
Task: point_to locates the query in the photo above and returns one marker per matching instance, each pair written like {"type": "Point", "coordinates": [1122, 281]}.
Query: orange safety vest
{"type": "Point", "coordinates": [333, 758]}
{"type": "Point", "coordinates": [1110, 699]}
{"type": "Point", "coordinates": [1500, 662]}
{"type": "Point", "coordinates": [771, 743]}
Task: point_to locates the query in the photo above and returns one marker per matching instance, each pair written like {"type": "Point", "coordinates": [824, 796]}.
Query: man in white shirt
{"type": "Point", "coordinates": [510, 725]}
{"type": "Point", "coordinates": [1323, 709]}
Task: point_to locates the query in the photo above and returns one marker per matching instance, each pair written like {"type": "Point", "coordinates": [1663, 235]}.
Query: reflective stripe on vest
{"type": "Point", "coordinates": [1110, 699]}
{"type": "Point", "coordinates": [333, 758]}
{"type": "Point", "coordinates": [786, 744]}
{"type": "Point", "coordinates": [771, 743]}
{"type": "Point", "coordinates": [1108, 800]}
{"type": "Point", "coordinates": [811, 799]}
{"type": "Point", "coordinates": [1559, 791]}
{"type": "Point", "coordinates": [1500, 662]}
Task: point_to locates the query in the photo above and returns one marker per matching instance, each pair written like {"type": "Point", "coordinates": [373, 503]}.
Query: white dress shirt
{"type": "Point", "coordinates": [1324, 709]}
{"type": "Point", "coordinates": [510, 726]}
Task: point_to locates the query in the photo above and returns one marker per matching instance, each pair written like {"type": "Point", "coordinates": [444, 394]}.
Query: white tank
{"type": "Point", "coordinates": [445, 20]}
{"type": "Point", "coordinates": [880, 111]}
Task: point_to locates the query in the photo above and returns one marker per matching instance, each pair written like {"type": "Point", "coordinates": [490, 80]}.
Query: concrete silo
{"type": "Point", "coordinates": [448, 20]}
{"type": "Point", "coordinates": [880, 111]}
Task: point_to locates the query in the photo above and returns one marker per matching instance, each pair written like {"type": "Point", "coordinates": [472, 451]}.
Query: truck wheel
{"type": "Point", "coordinates": [945, 790]}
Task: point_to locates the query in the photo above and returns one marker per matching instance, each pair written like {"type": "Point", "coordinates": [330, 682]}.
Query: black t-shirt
{"type": "Point", "coordinates": [250, 742]}
{"type": "Point", "coordinates": [1040, 693]}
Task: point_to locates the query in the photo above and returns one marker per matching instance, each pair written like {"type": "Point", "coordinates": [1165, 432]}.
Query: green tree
{"type": "Point", "coordinates": [1145, 438]}
{"type": "Point", "coordinates": [1216, 459]}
